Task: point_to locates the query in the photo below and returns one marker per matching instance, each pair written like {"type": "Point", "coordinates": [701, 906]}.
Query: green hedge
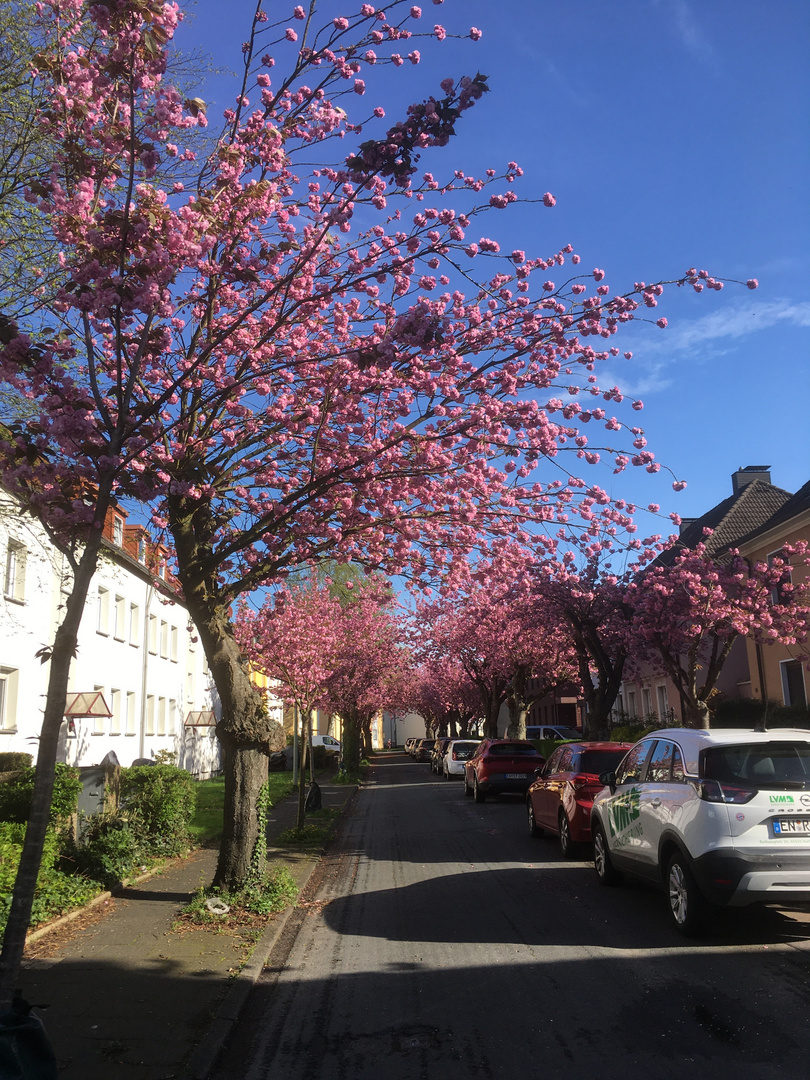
{"type": "Point", "coordinates": [158, 801]}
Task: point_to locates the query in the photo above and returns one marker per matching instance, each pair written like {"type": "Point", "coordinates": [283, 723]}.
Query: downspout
{"type": "Point", "coordinates": [145, 671]}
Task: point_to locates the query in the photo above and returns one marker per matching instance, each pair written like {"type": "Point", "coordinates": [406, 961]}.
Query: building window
{"type": "Point", "coordinates": [134, 624]}
{"type": "Point", "coordinates": [115, 707]}
{"type": "Point", "coordinates": [793, 688]}
{"type": "Point", "coordinates": [631, 704]}
{"type": "Point", "coordinates": [118, 531]}
{"type": "Point", "coordinates": [98, 721]}
{"type": "Point", "coordinates": [150, 714]}
{"type": "Point", "coordinates": [130, 712]}
{"type": "Point", "coordinates": [173, 644]}
{"type": "Point", "coordinates": [120, 618]}
{"type": "Point", "coordinates": [153, 629]}
{"type": "Point", "coordinates": [170, 724]}
{"type": "Point", "coordinates": [646, 700]}
{"type": "Point", "coordinates": [142, 549]}
{"type": "Point", "coordinates": [14, 588]}
{"type": "Point", "coordinates": [663, 704]}
{"type": "Point", "coordinates": [103, 611]}
{"type": "Point", "coordinates": [778, 591]}
{"type": "Point", "coordinates": [8, 699]}
{"type": "Point", "coordinates": [164, 640]}
{"type": "Point", "coordinates": [161, 730]}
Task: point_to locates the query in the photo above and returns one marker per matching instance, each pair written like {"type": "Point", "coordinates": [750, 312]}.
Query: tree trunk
{"type": "Point", "coordinates": [246, 732]}
{"type": "Point", "coordinates": [64, 649]}
{"type": "Point", "coordinates": [350, 745]}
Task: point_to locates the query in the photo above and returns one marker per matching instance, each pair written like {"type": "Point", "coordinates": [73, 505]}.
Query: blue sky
{"type": "Point", "coordinates": [673, 134]}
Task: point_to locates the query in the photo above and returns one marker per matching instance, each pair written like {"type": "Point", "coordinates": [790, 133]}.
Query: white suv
{"type": "Point", "coordinates": [716, 817]}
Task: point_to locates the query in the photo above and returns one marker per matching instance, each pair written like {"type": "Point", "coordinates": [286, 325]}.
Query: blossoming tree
{"type": "Point", "coordinates": [291, 360]}
{"type": "Point", "coordinates": [689, 615]}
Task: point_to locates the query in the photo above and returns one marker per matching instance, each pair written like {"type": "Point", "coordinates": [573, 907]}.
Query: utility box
{"type": "Point", "coordinates": [92, 795]}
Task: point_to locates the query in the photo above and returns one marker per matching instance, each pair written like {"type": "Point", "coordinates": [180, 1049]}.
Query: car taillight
{"type": "Point", "coordinates": [714, 791]}
{"type": "Point", "coordinates": [583, 780]}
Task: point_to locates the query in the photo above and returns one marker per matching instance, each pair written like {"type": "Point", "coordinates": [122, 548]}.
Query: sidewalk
{"type": "Point", "coordinates": [128, 998]}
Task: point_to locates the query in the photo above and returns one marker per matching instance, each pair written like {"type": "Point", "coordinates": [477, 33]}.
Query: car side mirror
{"type": "Point", "coordinates": [609, 780]}
{"type": "Point", "coordinates": [538, 770]}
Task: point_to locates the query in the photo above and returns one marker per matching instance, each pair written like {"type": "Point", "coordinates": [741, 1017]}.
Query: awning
{"type": "Point", "coordinates": [201, 718]}
{"type": "Point", "coordinates": [90, 703]}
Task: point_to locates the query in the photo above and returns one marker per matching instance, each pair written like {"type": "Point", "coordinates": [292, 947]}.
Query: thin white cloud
{"type": "Point", "coordinates": [692, 37]}
{"type": "Point", "coordinates": [736, 321]}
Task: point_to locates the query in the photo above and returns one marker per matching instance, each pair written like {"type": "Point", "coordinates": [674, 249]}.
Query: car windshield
{"type": "Point", "coordinates": [509, 749]}
{"type": "Point", "coordinates": [600, 761]}
{"type": "Point", "coordinates": [761, 765]}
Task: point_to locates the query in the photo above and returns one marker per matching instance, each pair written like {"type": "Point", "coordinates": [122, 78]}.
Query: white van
{"type": "Point", "coordinates": [328, 741]}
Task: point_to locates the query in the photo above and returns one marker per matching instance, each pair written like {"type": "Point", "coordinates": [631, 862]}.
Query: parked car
{"type": "Point", "coordinates": [560, 799]}
{"type": "Point", "coordinates": [457, 752]}
{"type": "Point", "coordinates": [552, 731]}
{"type": "Point", "coordinates": [422, 749]}
{"type": "Point", "coordinates": [437, 753]}
{"type": "Point", "coordinates": [329, 742]}
{"type": "Point", "coordinates": [410, 745]}
{"type": "Point", "coordinates": [500, 765]}
{"type": "Point", "coordinates": [716, 818]}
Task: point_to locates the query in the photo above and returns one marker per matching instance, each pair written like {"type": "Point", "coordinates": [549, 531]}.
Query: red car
{"type": "Point", "coordinates": [559, 801]}
{"type": "Point", "coordinates": [500, 765]}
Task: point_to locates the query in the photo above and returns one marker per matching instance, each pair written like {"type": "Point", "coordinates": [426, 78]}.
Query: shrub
{"type": "Point", "coordinates": [111, 849]}
{"type": "Point", "coordinates": [159, 801]}
{"type": "Point", "coordinates": [56, 892]}
{"type": "Point", "coordinates": [11, 760]}
{"type": "Point", "coordinates": [15, 795]}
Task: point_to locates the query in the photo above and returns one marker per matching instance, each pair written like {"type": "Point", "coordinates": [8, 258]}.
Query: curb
{"type": "Point", "coordinates": [205, 1055]}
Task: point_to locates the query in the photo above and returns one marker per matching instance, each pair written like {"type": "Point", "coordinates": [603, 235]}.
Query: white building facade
{"type": "Point", "coordinates": [139, 665]}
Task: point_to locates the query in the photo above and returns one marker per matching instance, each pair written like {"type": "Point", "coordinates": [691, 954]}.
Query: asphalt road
{"type": "Point", "coordinates": [442, 941]}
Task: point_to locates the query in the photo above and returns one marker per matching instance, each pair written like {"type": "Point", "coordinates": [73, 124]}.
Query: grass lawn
{"type": "Point", "coordinates": [207, 821]}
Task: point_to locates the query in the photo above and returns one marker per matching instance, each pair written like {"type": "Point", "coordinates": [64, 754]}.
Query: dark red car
{"type": "Point", "coordinates": [559, 801]}
{"type": "Point", "coordinates": [500, 765]}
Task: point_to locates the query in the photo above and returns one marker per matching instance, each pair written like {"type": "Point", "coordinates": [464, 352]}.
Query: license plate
{"type": "Point", "coordinates": [791, 825]}
{"type": "Point", "coordinates": [515, 776]}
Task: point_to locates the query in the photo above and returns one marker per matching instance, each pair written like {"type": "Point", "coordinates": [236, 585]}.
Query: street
{"type": "Point", "coordinates": [443, 941]}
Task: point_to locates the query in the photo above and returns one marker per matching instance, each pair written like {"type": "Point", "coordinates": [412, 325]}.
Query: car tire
{"type": "Point", "coordinates": [605, 870]}
{"type": "Point", "coordinates": [568, 847]}
{"type": "Point", "coordinates": [478, 794]}
{"type": "Point", "coordinates": [534, 828]}
{"type": "Point", "coordinates": [687, 905]}
{"type": "Point", "coordinates": [467, 788]}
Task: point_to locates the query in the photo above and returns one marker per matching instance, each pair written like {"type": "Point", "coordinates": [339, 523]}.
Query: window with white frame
{"type": "Point", "coordinates": [631, 704]}
{"type": "Point", "coordinates": [153, 630]}
{"type": "Point", "coordinates": [134, 624]}
{"type": "Point", "coordinates": [98, 721]}
{"type": "Point", "coordinates": [115, 708]}
{"type": "Point", "coordinates": [646, 700]}
{"type": "Point", "coordinates": [131, 714]}
{"type": "Point", "coordinates": [120, 618]}
{"type": "Point", "coordinates": [171, 719]}
{"type": "Point", "coordinates": [663, 703]}
{"type": "Point", "coordinates": [103, 611]}
{"type": "Point", "coordinates": [191, 671]}
{"type": "Point", "coordinates": [161, 728]}
{"type": "Point", "coordinates": [173, 644]}
{"type": "Point", "coordinates": [14, 586]}
{"type": "Point", "coordinates": [150, 714]}
{"type": "Point", "coordinates": [794, 691]}
{"type": "Point", "coordinates": [777, 592]}
{"type": "Point", "coordinates": [8, 698]}
{"type": "Point", "coordinates": [118, 531]}
{"type": "Point", "coordinates": [164, 639]}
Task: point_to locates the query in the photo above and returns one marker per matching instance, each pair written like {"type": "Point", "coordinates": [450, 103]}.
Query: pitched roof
{"type": "Point", "coordinates": [732, 520]}
{"type": "Point", "coordinates": [795, 505]}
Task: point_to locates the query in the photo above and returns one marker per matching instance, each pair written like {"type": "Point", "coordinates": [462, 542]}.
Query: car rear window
{"type": "Point", "coordinates": [599, 761]}
{"type": "Point", "coordinates": [510, 749]}
{"type": "Point", "coordinates": [762, 765]}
